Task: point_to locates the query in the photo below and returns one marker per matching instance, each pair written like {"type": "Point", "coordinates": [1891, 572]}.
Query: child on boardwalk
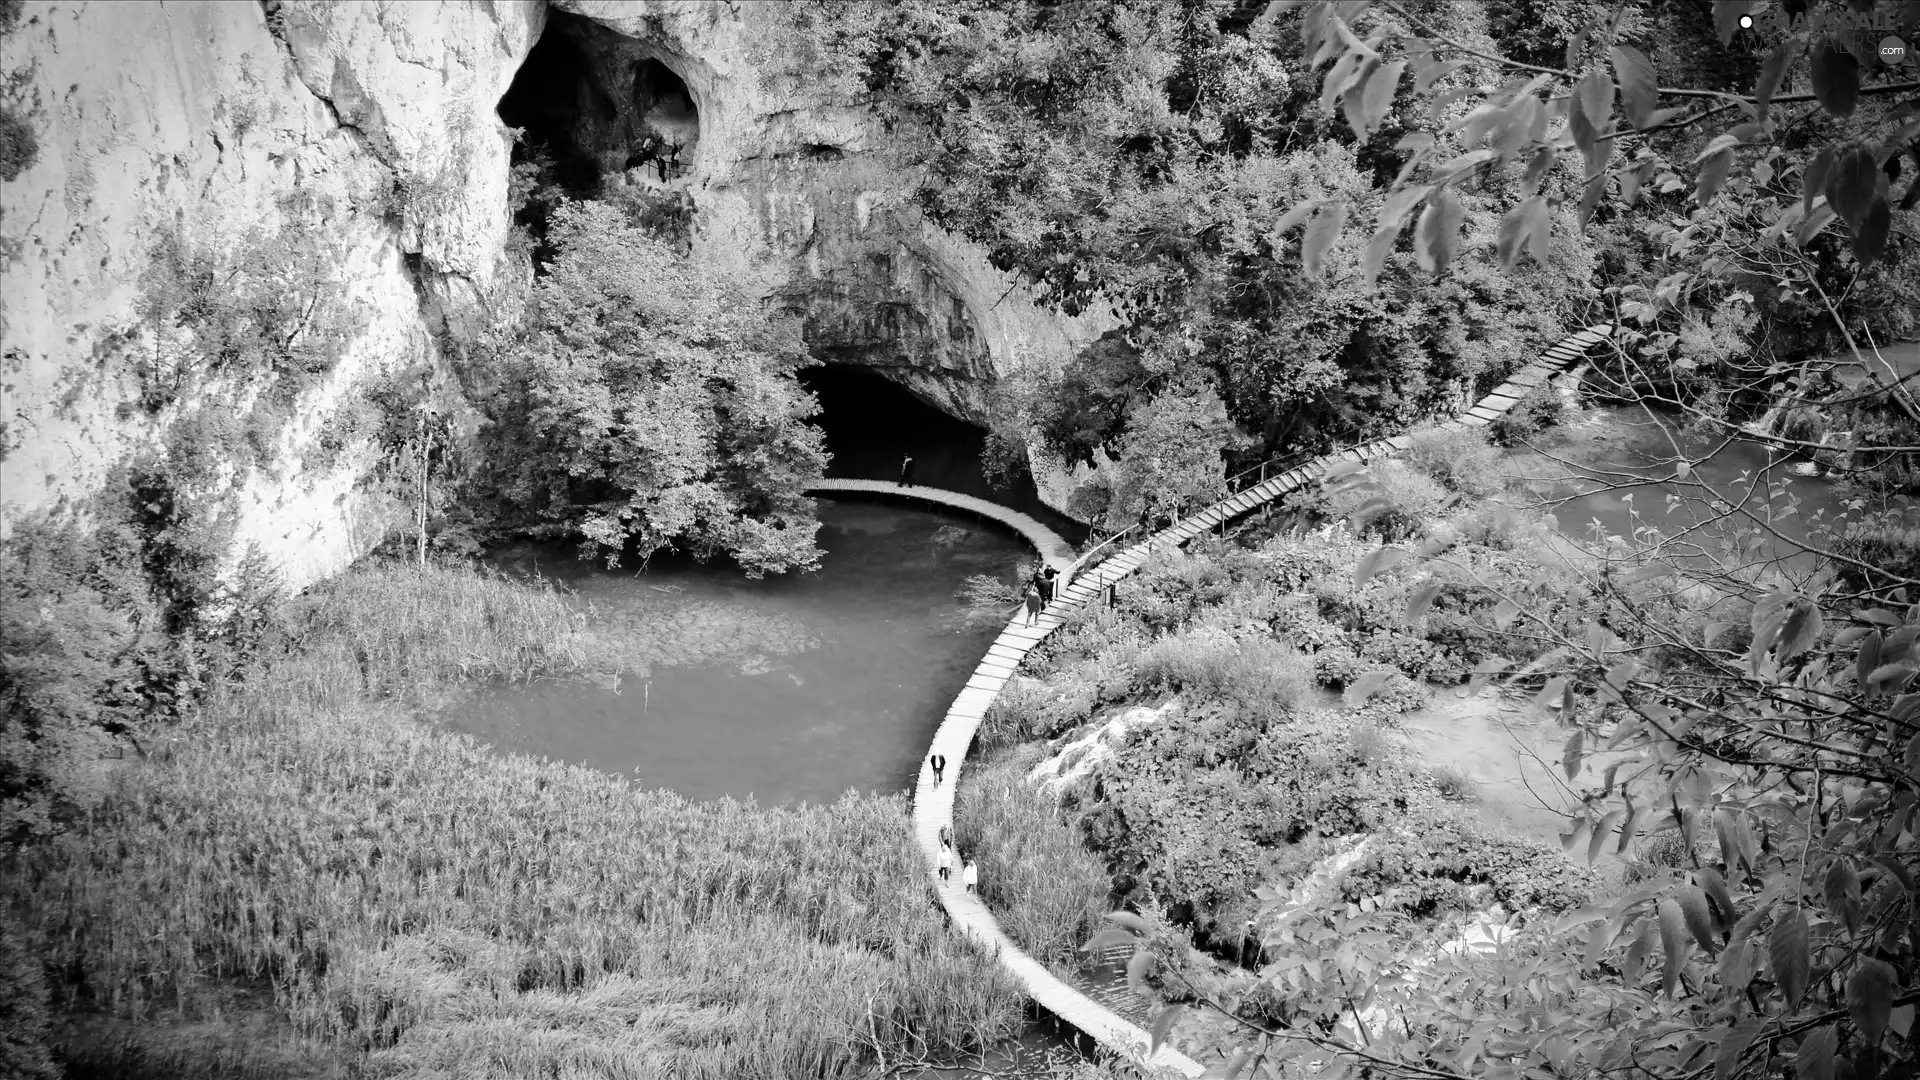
{"type": "Point", "coordinates": [971, 876]}
{"type": "Point", "coordinates": [946, 862]}
{"type": "Point", "coordinates": [1033, 605]}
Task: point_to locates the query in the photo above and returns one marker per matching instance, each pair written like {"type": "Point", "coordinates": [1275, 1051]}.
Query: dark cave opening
{"type": "Point", "coordinates": [601, 105]}
{"type": "Point", "coordinates": [872, 422]}
{"type": "Point", "coordinates": [600, 115]}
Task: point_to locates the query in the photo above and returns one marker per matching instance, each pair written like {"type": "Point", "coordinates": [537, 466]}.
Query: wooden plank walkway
{"type": "Point", "coordinates": [933, 805]}
{"type": "Point", "coordinates": [1056, 552]}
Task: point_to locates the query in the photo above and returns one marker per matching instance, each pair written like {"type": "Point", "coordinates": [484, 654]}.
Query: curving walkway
{"type": "Point", "coordinates": [933, 806]}
{"type": "Point", "coordinates": [1054, 551]}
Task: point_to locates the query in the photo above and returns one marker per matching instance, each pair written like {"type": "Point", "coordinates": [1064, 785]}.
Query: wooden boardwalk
{"type": "Point", "coordinates": [1055, 551]}
{"type": "Point", "coordinates": [933, 806]}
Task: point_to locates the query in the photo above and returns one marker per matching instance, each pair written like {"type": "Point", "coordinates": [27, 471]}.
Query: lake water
{"type": "Point", "coordinates": [790, 689]}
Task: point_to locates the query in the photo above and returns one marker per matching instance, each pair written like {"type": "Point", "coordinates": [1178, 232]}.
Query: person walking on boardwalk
{"type": "Point", "coordinates": [946, 837]}
{"type": "Point", "coordinates": [946, 862]}
{"type": "Point", "coordinates": [906, 470]}
{"type": "Point", "coordinates": [939, 763]}
{"type": "Point", "coordinates": [971, 876]}
{"type": "Point", "coordinates": [1033, 604]}
{"type": "Point", "coordinates": [1048, 581]}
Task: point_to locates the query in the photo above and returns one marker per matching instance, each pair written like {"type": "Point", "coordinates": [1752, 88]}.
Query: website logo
{"type": "Point", "coordinates": [1865, 33]}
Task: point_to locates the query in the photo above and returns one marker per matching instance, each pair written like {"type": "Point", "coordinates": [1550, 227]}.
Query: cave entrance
{"type": "Point", "coordinates": [602, 105]}
{"type": "Point", "coordinates": [872, 422]}
{"type": "Point", "coordinates": [598, 111]}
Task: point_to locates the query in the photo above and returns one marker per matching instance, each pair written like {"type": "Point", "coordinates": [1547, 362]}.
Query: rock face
{"type": "Point", "coordinates": [219, 124]}
{"type": "Point", "coordinates": [230, 128]}
{"type": "Point", "coordinates": [800, 188]}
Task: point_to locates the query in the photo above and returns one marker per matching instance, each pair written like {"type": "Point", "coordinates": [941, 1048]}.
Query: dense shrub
{"type": "Point", "coordinates": [1025, 710]}
{"type": "Point", "coordinates": [1538, 409]}
{"type": "Point", "coordinates": [1393, 502]}
{"type": "Point", "coordinates": [1461, 459]}
{"type": "Point", "coordinates": [1047, 889]}
{"type": "Point", "coordinates": [1410, 654]}
{"type": "Point", "coordinates": [1892, 545]}
{"type": "Point", "coordinates": [1387, 698]}
{"type": "Point", "coordinates": [648, 403]}
{"type": "Point", "coordinates": [266, 313]}
{"type": "Point", "coordinates": [1174, 586]}
{"type": "Point", "coordinates": [83, 658]}
{"type": "Point", "coordinates": [1198, 809]}
{"type": "Point", "coordinates": [1257, 674]}
{"type": "Point", "coordinates": [1447, 865]}
{"type": "Point", "coordinates": [1337, 665]}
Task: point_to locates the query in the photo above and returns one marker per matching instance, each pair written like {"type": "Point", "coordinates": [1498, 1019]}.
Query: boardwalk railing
{"type": "Point", "coordinates": [933, 803]}
{"type": "Point", "coordinates": [1238, 482]}
{"type": "Point", "coordinates": [1054, 550]}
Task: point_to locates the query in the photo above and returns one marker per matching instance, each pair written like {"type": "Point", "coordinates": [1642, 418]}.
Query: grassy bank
{"type": "Point", "coordinates": [432, 909]}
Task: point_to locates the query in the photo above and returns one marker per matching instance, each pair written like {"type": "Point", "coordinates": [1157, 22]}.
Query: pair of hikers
{"type": "Point", "coordinates": [969, 875]}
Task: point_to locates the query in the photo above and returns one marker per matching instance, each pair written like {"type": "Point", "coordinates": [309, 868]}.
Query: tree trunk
{"type": "Point", "coordinates": [421, 472]}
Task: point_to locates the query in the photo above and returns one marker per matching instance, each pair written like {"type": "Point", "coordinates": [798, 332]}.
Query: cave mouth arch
{"type": "Point", "coordinates": [872, 421]}
{"type": "Point", "coordinates": [604, 108]}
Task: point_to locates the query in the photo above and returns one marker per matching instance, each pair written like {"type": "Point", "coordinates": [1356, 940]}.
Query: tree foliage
{"type": "Point", "coordinates": [648, 404]}
{"type": "Point", "coordinates": [1168, 459]}
{"type": "Point", "coordinates": [1137, 157]}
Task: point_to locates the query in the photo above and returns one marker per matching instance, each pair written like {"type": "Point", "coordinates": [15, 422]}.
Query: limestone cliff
{"type": "Point", "coordinates": [367, 139]}
{"type": "Point", "coordinates": [217, 124]}
{"type": "Point", "coordinates": [802, 189]}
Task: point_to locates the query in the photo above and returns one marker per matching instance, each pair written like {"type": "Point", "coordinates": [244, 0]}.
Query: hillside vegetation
{"type": "Point", "coordinates": [407, 902]}
{"type": "Point", "coordinates": [229, 849]}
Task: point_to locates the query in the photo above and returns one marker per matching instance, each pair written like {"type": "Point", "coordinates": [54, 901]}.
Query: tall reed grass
{"type": "Point", "coordinates": [1257, 672]}
{"type": "Point", "coordinates": [1047, 890]}
{"type": "Point", "coordinates": [450, 912]}
{"type": "Point", "coordinates": [404, 628]}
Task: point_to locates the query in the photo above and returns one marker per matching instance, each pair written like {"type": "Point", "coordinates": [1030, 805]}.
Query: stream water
{"type": "Point", "coordinates": [1610, 472]}
{"type": "Point", "coordinates": [1583, 462]}
{"type": "Point", "coordinates": [1607, 472]}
